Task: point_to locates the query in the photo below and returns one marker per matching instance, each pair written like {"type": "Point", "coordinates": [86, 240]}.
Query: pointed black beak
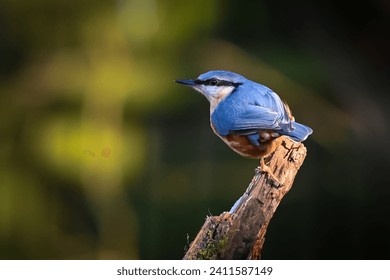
{"type": "Point", "coordinates": [190, 83]}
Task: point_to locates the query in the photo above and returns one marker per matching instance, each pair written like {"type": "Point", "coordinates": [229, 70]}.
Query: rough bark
{"type": "Point", "coordinates": [240, 234]}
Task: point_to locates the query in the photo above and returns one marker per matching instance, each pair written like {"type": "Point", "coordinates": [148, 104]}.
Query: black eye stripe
{"type": "Point", "coordinates": [216, 82]}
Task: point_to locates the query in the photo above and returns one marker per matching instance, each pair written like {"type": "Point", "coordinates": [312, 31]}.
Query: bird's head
{"type": "Point", "coordinates": [215, 85]}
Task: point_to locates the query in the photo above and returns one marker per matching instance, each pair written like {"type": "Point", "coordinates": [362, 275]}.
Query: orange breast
{"type": "Point", "coordinates": [241, 145]}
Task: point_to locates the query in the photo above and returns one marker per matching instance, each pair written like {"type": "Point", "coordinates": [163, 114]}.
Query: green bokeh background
{"type": "Point", "coordinates": [103, 156]}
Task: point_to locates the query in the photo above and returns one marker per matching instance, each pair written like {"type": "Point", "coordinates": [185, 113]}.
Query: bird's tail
{"type": "Point", "coordinates": [300, 132]}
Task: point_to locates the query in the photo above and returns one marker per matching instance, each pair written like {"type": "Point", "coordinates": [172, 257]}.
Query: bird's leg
{"type": "Point", "coordinates": [266, 169]}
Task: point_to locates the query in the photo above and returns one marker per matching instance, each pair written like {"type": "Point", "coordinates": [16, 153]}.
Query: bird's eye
{"type": "Point", "coordinates": [213, 82]}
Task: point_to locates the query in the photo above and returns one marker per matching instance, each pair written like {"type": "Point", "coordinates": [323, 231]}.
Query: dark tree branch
{"type": "Point", "coordinates": [241, 234]}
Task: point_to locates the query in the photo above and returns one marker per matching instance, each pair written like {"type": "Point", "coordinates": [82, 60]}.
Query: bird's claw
{"type": "Point", "coordinates": [263, 168]}
{"type": "Point", "coordinates": [226, 216]}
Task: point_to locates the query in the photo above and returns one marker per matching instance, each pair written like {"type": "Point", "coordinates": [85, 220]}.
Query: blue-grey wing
{"type": "Point", "coordinates": [250, 118]}
{"type": "Point", "coordinates": [255, 108]}
{"type": "Point", "coordinates": [255, 119]}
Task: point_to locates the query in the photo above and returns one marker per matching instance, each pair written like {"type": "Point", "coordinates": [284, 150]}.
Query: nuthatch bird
{"type": "Point", "coordinates": [246, 115]}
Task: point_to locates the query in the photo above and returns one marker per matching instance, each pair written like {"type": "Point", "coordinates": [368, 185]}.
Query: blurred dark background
{"type": "Point", "coordinates": [103, 156]}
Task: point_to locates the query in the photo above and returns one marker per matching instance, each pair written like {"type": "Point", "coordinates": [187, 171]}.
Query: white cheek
{"type": "Point", "coordinates": [219, 95]}
{"type": "Point", "coordinates": [225, 92]}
